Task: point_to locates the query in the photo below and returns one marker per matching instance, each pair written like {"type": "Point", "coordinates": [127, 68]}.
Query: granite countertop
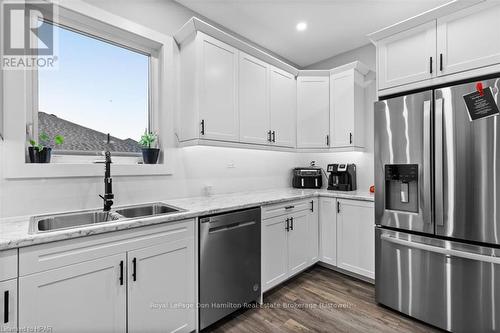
{"type": "Point", "coordinates": [14, 231]}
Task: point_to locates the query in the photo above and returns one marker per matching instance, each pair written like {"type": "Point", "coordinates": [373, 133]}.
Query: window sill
{"type": "Point", "coordinates": [66, 170]}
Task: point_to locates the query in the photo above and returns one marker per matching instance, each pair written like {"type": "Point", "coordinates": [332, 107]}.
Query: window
{"type": "Point", "coordinates": [98, 88]}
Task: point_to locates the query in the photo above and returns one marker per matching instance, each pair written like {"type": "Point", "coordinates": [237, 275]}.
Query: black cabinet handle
{"type": "Point", "coordinates": [350, 138]}
{"type": "Point", "coordinates": [203, 127]}
{"type": "Point", "coordinates": [269, 136]}
{"type": "Point", "coordinates": [327, 140]}
{"type": "Point", "coordinates": [441, 62]}
{"type": "Point", "coordinates": [430, 64]}
{"type": "Point", "coordinates": [338, 206]}
{"type": "Point", "coordinates": [287, 228]}
{"type": "Point", "coordinates": [289, 207]}
{"type": "Point", "coordinates": [312, 206]}
{"type": "Point", "coordinates": [291, 224]}
{"type": "Point", "coordinates": [121, 273]}
{"type": "Point", "coordinates": [274, 136]}
{"type": "Point", "coordinates": [134, 269]}
{"type": "Point", "coordinates": [6, 307]}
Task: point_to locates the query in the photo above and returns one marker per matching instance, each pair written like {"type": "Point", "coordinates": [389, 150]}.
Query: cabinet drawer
{"type": "Point", "coordinates": [44, 257]}
{"type": "Point", "coordinates": [8, 264]}
{"type": "Point", "coordinates": [287, 208]}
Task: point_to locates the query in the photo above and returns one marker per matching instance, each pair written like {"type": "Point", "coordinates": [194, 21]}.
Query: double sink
{"type": "Point", "coordinates": [47, 223]}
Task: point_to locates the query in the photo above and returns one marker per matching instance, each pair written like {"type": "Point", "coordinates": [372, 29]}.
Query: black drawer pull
{"type": "Point", "coordinates": [121, 273]}
{"type": "Point", "coordinates": [289, 207]}
{"type": "Point", "coordinates": [134, 269]}
{"type": "Point", "coordinates": [6, 307]}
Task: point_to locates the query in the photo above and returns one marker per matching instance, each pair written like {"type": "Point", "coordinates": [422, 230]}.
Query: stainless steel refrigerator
{"type": "Point", "coordinates": [437, 209]}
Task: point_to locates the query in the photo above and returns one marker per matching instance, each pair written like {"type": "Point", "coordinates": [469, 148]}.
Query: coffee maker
{"type": "Point", "coordinates": [342, 177]}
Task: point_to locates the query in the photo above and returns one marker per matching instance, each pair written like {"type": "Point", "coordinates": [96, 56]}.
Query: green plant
{"type": "Point", "coordinates": [44, 141]}
{"type": "Point", "coordinates": [147, 139]}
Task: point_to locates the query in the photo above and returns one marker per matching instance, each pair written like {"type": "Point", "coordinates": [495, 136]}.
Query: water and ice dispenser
{"type": "Point", "coordinates": [401, 187]}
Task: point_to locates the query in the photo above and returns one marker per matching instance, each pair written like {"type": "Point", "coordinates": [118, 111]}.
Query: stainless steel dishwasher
{"type": "Point", "coordinates": [229, 263]}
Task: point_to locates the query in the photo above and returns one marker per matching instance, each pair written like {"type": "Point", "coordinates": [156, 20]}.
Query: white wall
{"type": "Point", "coordinates": [195, 167]}
{"type": "Point", "coordinates": [363, 160]}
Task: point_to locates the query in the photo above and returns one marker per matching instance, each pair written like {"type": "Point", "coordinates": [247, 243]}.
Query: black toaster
{"type": "Point", "coordinates": [307, 178]}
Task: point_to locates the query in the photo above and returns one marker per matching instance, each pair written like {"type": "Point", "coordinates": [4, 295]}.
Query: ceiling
{"type": "Point", "coordinates": [334, 26]}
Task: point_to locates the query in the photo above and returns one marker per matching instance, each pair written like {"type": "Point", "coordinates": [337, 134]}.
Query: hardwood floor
{"type": "Point", "coordinates": [320, 300]}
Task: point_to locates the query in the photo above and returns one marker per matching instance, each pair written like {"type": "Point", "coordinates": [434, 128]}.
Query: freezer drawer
{"type": "Point", "coordinates": [451, 285]}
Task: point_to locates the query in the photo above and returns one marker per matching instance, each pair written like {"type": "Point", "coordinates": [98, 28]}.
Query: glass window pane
{"type": "Point", "coordinates": [98, 88]}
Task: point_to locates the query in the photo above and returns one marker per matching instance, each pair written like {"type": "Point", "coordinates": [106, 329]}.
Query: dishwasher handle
{"type": "Point", "coordinates": [230, 226]}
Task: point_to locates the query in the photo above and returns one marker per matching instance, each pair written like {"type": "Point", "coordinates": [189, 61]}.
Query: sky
{"type": "Point", "coordinates": [97, 85]}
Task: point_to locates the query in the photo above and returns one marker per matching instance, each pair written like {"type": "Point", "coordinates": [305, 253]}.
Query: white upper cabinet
{"type": "Point", "coordinates": [218, 89]}
{"type": "Point", "coordinates": [347, 111]}
{"type": "Point", "coordinates": [407, 57]}
{"type": "Point", "coordinates": [469, 38]}
{"type": "Point", "coordinates": [283, 107]}
{"type": "Point", "coordinates": [313, 111]}
{"type": "Point", "coordinates": [253, 100]}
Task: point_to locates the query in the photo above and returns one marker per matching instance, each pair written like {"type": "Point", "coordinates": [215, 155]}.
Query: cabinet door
{"type": "Point", "coordinates": [408, 56]}
{"type": "Point", "coordinates": [8, 306]}
{"type": "Point", "coordinates": [313, 112]}
{"type": "Point", "coordinates": [283, 107]}
{"type": "Point", "coordinates": [328, 230]}
{"type": "Point", "coordinates": [253, 100]}
{"type": "Point", "coordinates": [87, 296]}
{"type": "Point", "coordinates": [313, 223]}
{"type": "Point", "coordinates": [356, 237]}
{"type": "Point", "coordinates": [343, 107]}
{"type": "Point", "coordinates": [161, 288]}
{"type": "Point", "coordinates": [469, 38]}
{"type": "Point", "coordinates": [218, 90]}
{"type": "Point", "coordinates": [274, 252]}
{"type": "Point", "coordinates": [298, 242]}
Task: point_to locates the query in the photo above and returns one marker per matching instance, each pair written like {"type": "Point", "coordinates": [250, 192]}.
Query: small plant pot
{"type": "Point", "coordinates": [42, 156]}
{"type": "Point", "coordinates": [150, 155]}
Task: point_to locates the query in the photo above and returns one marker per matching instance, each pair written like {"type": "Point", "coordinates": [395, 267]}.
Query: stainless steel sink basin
{"type": "Point", "coordinates": [147, 210]}
{"type": "Point", "coordinates": [53, 222]}
{"type": "Point", "coordinates": [70, 220]}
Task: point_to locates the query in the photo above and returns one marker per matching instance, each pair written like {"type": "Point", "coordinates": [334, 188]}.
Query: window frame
{"type": "Point", "coordinates": [65, 22]}
{"type": "Point", "coordinates": [21, 88]}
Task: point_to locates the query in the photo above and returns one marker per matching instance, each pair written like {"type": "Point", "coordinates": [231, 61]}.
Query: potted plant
{"type": "Point", "coordinates": [149, 155]}
{"type": "Point", "coordinates": [41, 151]}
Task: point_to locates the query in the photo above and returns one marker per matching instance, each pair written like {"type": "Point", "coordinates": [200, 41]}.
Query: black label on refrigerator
{"type": "Point", "coordinates": [481, 105]}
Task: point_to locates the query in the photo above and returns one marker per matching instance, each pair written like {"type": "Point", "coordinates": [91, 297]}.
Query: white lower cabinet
{"type": "Point", "coordinates": [328, 230]}
{"type": "Point", "coordinates": [90, 296]}
{"type": "Point", "coordinates": [356, 237]}
{"type": "Point", "coordinates": [136, 281]}
{"type": "Point", "coordinates": [160, 288]}
{"type": "Point", "coordinates": [289, 242]}
{"type": "Point", "coordinates": [8, 306]}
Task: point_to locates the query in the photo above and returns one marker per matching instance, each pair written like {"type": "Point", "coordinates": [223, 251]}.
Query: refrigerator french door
{"type": "Point", "coordinates": [436, 209]}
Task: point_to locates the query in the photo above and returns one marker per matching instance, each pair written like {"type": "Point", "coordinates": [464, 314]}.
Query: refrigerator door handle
{"type": "Point", "coordinates": [441, 250]}
{"type": "Point", "coordinates": [438, 168]}
{"type": "Point", "coordinates": [427, 208]}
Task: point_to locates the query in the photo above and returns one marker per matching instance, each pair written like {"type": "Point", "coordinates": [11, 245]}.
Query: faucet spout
{"type": "Point", "coordinates": [108, 184]}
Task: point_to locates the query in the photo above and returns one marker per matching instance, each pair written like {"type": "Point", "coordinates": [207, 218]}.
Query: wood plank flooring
{"type": "Point", "coordinates": [320, 300]}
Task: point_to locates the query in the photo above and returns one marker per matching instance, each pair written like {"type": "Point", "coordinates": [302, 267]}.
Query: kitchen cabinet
{"type": "Point", "coordinates": [8, 306]}
{"type": "Point", "coordinates": [443, 46]}
{"type": "Point", "coordinates": [253, 100]}
{"type": "Point", "coordinates": [90, 295]}
{"type": "Point", "coordinates": [407, 57]}
{"type": "Point", "coordinates": [328, 230]}
{"type": "Point", "coordinates": [289, 241]}
{"type": "Point", "coordinates": [283, 107]}
{"type": "Point", "coordinates": [208, 90]}
{"type": "Point", "coordinates": [126, 281]}
{"type": "Point", "coordinates": [160, 282]}
{"type": "Point", "coordinates": [347, 109]}
{"type": "Point", "coordinates": [356, 237]}
{"type": "Point", "coordinates": [313, 111]}
{"type": "Point", "coordinates": [459, 48]}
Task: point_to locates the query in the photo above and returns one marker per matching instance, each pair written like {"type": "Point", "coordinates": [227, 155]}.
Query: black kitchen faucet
{"type": "Point", "coordinates": [108, 183]}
